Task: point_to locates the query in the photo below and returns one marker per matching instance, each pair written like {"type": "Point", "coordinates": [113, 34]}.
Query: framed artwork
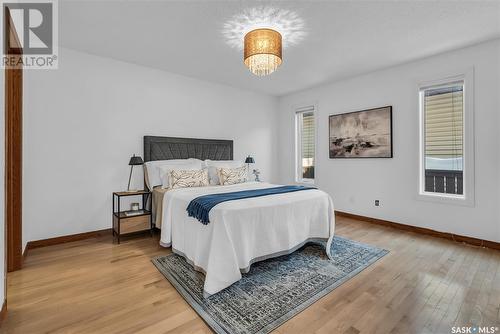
{"type": "Point", "coordinates": [361, 134]}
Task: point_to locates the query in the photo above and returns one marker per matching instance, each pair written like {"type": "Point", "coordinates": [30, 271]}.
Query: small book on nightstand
{"type": "Point", "coordinates": [134, 213]}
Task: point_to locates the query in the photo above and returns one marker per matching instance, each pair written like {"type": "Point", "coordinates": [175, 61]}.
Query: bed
{"type": "Point", "coordinates": [240, 232]}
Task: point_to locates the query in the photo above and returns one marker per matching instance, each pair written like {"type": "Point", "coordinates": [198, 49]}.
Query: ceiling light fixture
{"type": "Point", "coordinates": [262, 32]}
{"type": "Point", "coordinates": [262, 51]}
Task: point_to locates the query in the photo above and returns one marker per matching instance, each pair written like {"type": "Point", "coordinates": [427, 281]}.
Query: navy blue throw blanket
{"type": "Point", "coordinates": [200, 206]}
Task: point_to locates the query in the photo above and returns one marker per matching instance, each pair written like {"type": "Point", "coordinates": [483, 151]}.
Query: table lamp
{"type": "Point", "coordinates": [249, 160]}
{"type": "Point", "coordinates": [134, 161]}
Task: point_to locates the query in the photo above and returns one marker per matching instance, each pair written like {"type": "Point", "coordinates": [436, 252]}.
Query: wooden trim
{"type": "Point", "coordinates": [11, 35]}
{"type": "Point", "coordinates": [3, 311]}
{"type": "Point", "coordinates": [13, 151]}
{"type": "Point", "coordinates": [66, 238]}
{"type": "Point", "coordinates": [423, 230]}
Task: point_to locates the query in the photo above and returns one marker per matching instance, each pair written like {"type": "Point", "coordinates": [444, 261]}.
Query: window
{"type": "Point", "coordinates": [445, 140]}
{"type": "Point", "coordinates": [305, 146]}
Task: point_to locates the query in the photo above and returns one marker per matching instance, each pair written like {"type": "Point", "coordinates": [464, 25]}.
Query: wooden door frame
{"type": "Point", "coordinates": [13, 148]}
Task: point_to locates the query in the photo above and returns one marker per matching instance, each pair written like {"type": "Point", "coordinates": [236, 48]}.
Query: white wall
{"type": "Point", "coordinates": [355, 184]}
{"type": "Point", "coordinates": [83, 121]}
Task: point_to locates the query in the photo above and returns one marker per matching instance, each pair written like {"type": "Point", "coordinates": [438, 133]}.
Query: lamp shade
{"type": "Point", "coordinates": [262, 51]}
{"type": "Point", "coordinates": [135, 160]}
{"type": "Point", "coordinates": [249, 160]}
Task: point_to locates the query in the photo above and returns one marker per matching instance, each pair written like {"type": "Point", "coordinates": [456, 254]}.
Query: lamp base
{"type": "Point", "coordinates": [131, 190]}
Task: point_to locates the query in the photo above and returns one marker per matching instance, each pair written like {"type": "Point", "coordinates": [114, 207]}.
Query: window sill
{"type": "Point", "coordinates": [446, 199]}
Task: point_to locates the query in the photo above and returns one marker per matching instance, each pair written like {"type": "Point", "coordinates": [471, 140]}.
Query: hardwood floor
{"type": "Point", "coordinates": [424, 285]}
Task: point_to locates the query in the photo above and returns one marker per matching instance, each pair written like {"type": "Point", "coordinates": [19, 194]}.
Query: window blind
{"type": "Point", "coordinates": [308, 135]}
{"type": "Point", "coordinates": [444, 122]}
{"type": "Point", "coordinates": [306, 141]}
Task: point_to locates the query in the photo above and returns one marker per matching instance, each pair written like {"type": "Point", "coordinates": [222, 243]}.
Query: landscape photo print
{"type": "Point", "coordinates": [361, 134]}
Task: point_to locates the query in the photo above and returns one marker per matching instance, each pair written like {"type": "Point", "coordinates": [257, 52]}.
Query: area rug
{"type": "Point", "coordinates": [274, 290]}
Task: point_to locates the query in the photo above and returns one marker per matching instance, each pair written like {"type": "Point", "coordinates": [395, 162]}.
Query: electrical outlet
{"type": "Point", "coordinates": [377, 202]}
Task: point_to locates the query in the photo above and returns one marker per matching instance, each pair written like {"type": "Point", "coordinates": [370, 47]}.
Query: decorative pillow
{"type": "Point", "coordinates": [232, 175]}
{"type": "Point", "coordinates": [165, 172]}
{"type": "Point", "coordinates": [213, 165]}
{"type": "Point", "coordinates": [188, 178]}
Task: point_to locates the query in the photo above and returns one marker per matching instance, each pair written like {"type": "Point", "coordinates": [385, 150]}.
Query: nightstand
{"type": "Point", "coordinates": [127, 222]}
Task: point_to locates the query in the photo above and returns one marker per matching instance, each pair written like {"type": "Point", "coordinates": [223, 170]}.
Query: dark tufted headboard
{"type": "Point", "coordinates": [166, 148]}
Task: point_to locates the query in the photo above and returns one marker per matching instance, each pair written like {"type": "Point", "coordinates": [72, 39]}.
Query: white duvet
{"type": "Point", "coordinates": [244, 231]}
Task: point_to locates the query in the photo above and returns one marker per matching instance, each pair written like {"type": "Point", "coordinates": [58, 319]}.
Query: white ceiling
{"type": "Point", "coordinates": [344, 38]}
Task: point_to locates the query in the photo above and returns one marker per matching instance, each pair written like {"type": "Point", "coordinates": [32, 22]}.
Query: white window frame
{"type": "Point", "coordinates": [298, 142]}
{"type": "Point", "coordinates": [467, 199]}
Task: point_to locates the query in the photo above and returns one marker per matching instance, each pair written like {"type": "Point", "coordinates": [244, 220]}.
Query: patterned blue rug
{"type": "Point", "coordinates": [274, 290]}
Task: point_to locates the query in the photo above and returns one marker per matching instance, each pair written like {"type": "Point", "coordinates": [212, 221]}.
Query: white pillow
{"type": "Point", "coordinates": [212, 166]}
{"type": "Point", "coordinates": [165, 171]}
{"type": "Point", "coordinates": [152, 169]}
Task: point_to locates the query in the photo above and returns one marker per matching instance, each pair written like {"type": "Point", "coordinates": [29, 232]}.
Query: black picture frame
{"type": "Point", "coordinates": [389, 110]}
